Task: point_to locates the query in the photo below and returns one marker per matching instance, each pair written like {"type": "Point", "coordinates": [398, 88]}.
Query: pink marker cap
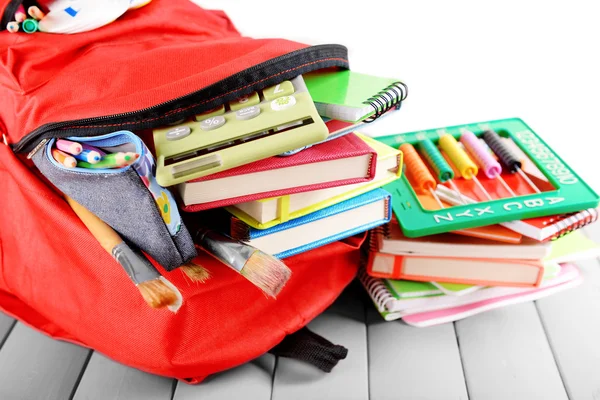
{"type": "Point", "coordinates": [491, 167]}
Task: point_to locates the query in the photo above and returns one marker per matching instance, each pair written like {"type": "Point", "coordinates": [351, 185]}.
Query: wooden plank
{"type": "Point", "coordinates": [35, 366]}
{"type": "Point", "coordinates": [506, 355]}
{"type": "Point", "coordinates": [249, 381]}
{"type": "Point", "coordinates": [572, 323]}
{"type": "Point", "coordinates": [105, 379]}
{"type": "Point", "coordinates": [406, 362]}
{"type": "Point", "coordinates": [344, 324]}
{"type": "Point", "coordinates": [6, 324]}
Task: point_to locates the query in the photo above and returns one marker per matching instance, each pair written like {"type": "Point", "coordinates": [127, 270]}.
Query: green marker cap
{"type": "Point", "coordinates": [29, 25]}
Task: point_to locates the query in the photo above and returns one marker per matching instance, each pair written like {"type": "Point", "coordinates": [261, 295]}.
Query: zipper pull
{"type": "Point", "coordinates": [5, 139]}
{"type": "Point", "coordinates": [37, 148]}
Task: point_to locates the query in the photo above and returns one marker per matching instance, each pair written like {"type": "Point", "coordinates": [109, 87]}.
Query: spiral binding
{"type": "Point", "coordinates": [376, 289]}
{"type": "Point", "coordinates": [375, 234]}
{"type": "Point", "coordinates": [384, 100]}
{"type": "Point", "coordinates": [575, 221]}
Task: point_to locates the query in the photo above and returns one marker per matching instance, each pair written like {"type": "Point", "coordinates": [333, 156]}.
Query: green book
{"type": "Point", "coordinates": [404, 289]}
{"type": "Point", "coordinates": [351, 96]}
{"type": "Point", "coordinates": [456, 289]}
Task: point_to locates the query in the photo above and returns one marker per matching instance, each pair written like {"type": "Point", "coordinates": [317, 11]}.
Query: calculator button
{"type": "Point", "coordinates": [283, 102]}
{"type": "Point", "coordinates": [212, 123]}
{"type": "Point", "coordinates": [247, 113]}
{"type": "Point", "coordinates": [211, 113]}
{"type": "Point", "coordinates": [178, 133]}
{"type": "Point", "coordinates": [245, 101]}
{"type": "Point", "coordinates": [284, 88]}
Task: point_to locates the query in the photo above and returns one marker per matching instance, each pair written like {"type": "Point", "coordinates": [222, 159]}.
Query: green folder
{"type": "Point", "coordinates": [349, 96]}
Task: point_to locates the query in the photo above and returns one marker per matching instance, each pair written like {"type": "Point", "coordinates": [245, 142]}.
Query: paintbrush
{"type": "Point", "coordinates": [265, 271]}
{"type": "Point", "coordinates": [195, 272]}
{"type": "Point", "coordinates": [157, 291]}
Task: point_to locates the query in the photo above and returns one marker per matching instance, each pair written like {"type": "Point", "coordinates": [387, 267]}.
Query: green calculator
{"type": "Point", "coordinates": [262, 124]}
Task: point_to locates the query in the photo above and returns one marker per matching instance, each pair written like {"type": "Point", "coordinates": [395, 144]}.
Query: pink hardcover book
{"type": "Point", "coordinates": [437, 317]}
{"type": "Point", "coordinates": [342, 161]}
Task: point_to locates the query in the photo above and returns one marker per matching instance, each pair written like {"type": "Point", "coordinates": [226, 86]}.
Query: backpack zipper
{"type": "Point", "coordinates": [262, 75]}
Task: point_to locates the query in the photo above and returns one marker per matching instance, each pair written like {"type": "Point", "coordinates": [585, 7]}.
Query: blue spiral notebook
{"type": "Point", "coordinates": [337, 222]}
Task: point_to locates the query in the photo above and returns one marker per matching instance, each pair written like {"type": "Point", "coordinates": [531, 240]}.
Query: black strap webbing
{"type": "Point", "coordinates": [307, 346]}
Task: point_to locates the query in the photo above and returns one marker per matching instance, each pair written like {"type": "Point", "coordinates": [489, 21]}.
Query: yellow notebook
{"type": "Point", "coordinates": [266, 213]}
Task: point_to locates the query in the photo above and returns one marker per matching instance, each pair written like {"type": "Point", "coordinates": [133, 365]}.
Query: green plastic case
{"type": "Point", "coordinates": [571, 194]}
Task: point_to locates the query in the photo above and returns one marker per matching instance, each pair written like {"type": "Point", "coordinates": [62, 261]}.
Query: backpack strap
{"type": "Point", "coordinates": [307, 346]}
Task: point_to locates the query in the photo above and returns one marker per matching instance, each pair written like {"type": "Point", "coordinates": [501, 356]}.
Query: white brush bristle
{"type": "Point", "coordinates": [266, 272]}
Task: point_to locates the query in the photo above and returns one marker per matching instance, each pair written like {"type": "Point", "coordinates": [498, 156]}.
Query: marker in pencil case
{"type": "Point", "coordinates": [20, 15]}
{"type": "Point", "coordinates": [89, 156]}
{"type": "Point", "coordinates": [86, 146]}
{"type": "Point", "coordinates": [68, 146]}
{"type": "Point", "coordinates": [113, 160]}
{"type": "Point", "coordinates": [12, 27]}
{"type": "Point", "coordinates": [36, 13]}
{"type": "Point", "coordinates": [121, 158]}
{"type": "Point", "coordinates": [63, 158]}
{"type": "Point", "coordinates": [30, 25]}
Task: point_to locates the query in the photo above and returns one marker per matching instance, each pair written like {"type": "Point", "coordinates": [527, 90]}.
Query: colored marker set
{"type": "Point", "coordinates": [477, 175]}
{"type": "Point", "coordinates": [73, 154]}
{"type": "Point", "coordinates": [23, 22]}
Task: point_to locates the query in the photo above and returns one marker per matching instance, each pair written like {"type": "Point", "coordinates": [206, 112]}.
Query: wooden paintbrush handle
{"type": "Point", "coordinates": [103, 233]}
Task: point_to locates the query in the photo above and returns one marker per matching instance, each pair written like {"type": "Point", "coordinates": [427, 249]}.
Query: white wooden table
{"type": "Point", "coordinates": [548, 349]}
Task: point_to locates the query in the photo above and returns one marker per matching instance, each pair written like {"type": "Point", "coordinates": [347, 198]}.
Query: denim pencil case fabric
{"type": "Point", "coordinates": [127, 198]}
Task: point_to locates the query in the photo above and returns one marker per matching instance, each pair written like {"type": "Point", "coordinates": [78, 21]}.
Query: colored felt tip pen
{"type": "Point", "coordinates": [20, 15]}
{"type": "Point", "coordinates": [90, 156]}
{"type": "Point", "coordinates": [113, 160]}
{"type": "Point", "coordinates": [88, 147]}
{"type": "Point", "coordinates": [64, 158]}
{"type": "Point", "coordinates": [12, 27]}
{"type": "Point", "coordinates": [29, 25]}
{"type": "Point", "coordinates": [35, 12]}
{"type": "Point", "coordinates": [68, 146]}
{"type": "Point", "coordinates": [121, 158]}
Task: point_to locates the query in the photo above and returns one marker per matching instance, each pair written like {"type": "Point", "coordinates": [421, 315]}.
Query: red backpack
{"type": "Point", "coordinates": [140, 72]}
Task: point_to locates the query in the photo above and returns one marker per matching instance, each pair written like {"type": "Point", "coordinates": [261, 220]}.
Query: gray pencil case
{"type": "Point", "coordinates": [127, 198]}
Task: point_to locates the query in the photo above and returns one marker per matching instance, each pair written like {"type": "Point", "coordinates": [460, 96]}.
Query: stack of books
{"type": "Point", "coordinates": [309, 197]}
{"type": "Point", "coordinates": [485, 215]}
{"type": "Point", "coordinates": [288, 205]}
{"type": "Point", "coordinates": [442, 278]}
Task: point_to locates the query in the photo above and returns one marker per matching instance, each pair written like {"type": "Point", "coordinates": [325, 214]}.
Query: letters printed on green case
{"type": "Point", "coordinates": [571, 194]}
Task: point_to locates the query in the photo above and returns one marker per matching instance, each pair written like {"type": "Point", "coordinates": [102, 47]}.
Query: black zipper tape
{"type": "Point", "coordinates": [260, 76]}
{"type": "Point", "coordinates": [10, 10]}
